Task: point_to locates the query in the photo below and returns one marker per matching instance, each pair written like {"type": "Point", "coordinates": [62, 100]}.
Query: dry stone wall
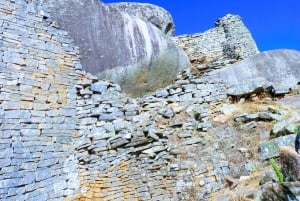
{"type": "Point", "coordinates": [229, 42]}
{"type": "Point", "coordinates": [37, 107]}
{"type": "Point", "coordinates": [65, 135]}
{"type": "Point", "coordinates": [148, 148]}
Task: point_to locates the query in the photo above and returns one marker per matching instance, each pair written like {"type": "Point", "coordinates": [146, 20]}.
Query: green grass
{"type": "Point", "coordinates": [277, 170]}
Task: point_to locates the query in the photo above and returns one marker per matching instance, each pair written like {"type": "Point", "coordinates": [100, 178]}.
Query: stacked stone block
{"type": "Point", "coordinates": [137, 149]}
{"type": "Point", "coordinates": [37, 107]}
{"type": "Point", "coordinates": [227, 43]}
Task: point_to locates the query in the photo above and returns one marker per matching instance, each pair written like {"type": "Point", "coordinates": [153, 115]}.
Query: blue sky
{"type": "Point", "coordinates": [274, 24]}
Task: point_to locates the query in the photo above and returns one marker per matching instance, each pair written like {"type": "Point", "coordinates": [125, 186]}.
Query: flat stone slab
{"type": "Point", "coordinates": [270, 149]}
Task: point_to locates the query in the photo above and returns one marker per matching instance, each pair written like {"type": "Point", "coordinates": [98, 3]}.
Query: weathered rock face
{"type": "Point", "coordinates": [156, 15]}
{"type": "Point", "coordinates": [227, 43]}
{"type": "Point", "coordinates": [132, 52]}
{"type": "Point", "coordinates": [277, 69]}
{"type": "Point", "coordinates": [271, 148]}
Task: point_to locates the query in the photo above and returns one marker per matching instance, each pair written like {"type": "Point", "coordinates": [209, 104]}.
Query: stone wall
{"type": "Point", "coordinates": [37, 107]}
{"type": "Point", "coordinates": [148, 148]}
{"type": "Point", "coordinates": [65, 135]}
{"type": "Point", "coordinates": [229, 42]}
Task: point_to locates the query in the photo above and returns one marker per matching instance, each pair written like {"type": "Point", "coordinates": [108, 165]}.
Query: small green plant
{"type": "Point", "coordinates": [296, 129]}
{"type": "Point", "coordinates": [277, 170]}
{"type": "Point", "coordinates": [258, 198]}
{"type": "Point", "coordinates": [253, 168]}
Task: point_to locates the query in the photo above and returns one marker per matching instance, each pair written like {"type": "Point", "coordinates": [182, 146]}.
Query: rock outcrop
{"type": "Point", "coordinates": [275, 71]}
{"type": "Point", "coordinates": [230, 41]}
{"type": "Point", "coordinates": [156, 15]}
{"type": "Point", "coordinates": [117, 46]}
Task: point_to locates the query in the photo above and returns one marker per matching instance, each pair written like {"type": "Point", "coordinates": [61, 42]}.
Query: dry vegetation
{"type": "Point", "coordinates": [241, 147]}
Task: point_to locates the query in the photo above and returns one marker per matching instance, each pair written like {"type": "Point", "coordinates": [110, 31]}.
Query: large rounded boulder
{"type": "Point", "coordinates": [154, 14]}
{"type": "Point", "coordinates": [117, 46]}
{"type": "Point", "coordinates": [276, 70]}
